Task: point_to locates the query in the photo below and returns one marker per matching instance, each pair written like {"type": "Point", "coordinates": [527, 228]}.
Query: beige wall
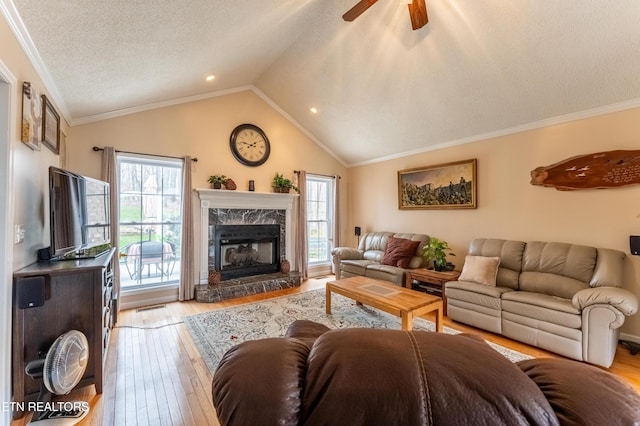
{"type": "Point", "coordinates": [509, 206]}
{"type": "Point", "coordinates": [27, 196]}
{"type": "Point", "coordinates": [30, 168]}
{"type": "Point", "coordinates": [201, 129]}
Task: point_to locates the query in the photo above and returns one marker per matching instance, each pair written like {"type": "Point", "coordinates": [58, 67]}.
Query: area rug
{"type": "Point", "coordinates": [217, 331]}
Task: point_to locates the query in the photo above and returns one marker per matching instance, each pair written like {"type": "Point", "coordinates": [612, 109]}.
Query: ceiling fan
{"type": "Point", "coordinates": [417, 12]}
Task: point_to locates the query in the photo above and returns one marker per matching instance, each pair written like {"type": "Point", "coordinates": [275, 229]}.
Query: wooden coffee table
{"type": "Point", "coordinates": [396, 300]}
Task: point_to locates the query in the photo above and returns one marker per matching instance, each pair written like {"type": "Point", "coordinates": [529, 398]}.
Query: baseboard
{"type": "Point", "coordinates": [130, 299]}
{"type": "Point", "coordinates": [629, 338]}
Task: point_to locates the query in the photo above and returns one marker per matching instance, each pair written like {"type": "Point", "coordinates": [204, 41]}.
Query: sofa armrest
{"type": "Point", "coordinates": [625, 301]}
{"type": "Point", "coordinates": [346, 253]}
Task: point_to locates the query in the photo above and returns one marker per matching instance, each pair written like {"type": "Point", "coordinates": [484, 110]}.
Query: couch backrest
{"type": "Point", "coordinates": [510, 254]}
{"type": "Point", "coordinates": [557, 269]}
{"type": "Point", "coordinates": [373, 245]}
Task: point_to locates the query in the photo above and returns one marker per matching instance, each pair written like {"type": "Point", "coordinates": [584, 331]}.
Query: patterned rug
{"type": "Point", "coordinates": [217, 331]}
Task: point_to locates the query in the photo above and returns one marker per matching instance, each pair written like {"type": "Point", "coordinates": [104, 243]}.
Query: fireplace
{"type": "Point", "coordinates": [222, 207]}
{"type": "Point", "coordinates": [245, 250]}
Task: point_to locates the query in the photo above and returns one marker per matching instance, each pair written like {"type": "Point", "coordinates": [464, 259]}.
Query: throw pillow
{"type": "Point", "coordinates": [480, 269]}
{"type": "Point", "coordinates": [399, 252]}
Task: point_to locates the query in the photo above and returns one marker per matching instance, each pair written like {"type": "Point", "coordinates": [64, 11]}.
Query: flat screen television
{"type": "Point", "coordinates": [79, 215]}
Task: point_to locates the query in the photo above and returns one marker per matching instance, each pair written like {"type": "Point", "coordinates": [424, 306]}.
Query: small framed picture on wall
{"type": "Point", "coordinates": [50, 126]}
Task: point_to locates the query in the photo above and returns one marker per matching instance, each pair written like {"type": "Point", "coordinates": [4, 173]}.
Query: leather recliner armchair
{"type": "Point", "coordinates": [390, 377]}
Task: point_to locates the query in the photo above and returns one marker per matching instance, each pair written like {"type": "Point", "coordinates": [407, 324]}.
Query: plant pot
{"type": "Point", "coordinates": [281, 189]}
{"type": "Point", "coordinates": [216, 185]}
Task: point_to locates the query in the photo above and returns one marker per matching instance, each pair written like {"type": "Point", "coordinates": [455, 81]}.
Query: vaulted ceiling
{"type": "Point", "coordinates": [478, 68]}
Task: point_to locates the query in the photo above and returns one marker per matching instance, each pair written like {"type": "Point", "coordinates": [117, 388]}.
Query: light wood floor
{"type": "Point", "coordinates": [155, 375]}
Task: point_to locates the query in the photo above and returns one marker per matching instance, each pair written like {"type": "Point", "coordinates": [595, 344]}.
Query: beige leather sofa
{"type": "Point", "coordinates": [366, 259]}
{"type": "Point", "coordinates": [561, 297]}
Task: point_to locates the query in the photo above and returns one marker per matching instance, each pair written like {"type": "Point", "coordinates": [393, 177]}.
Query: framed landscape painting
{"type": "Point", "coordinates": [443, 186]}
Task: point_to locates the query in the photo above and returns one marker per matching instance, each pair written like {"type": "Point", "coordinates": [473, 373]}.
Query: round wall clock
{"type": "Point", "coordinates": [249, 145]}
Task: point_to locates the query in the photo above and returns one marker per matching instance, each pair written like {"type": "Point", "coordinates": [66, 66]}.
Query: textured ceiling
{"type": "Point", "coordinates": [382, 90]}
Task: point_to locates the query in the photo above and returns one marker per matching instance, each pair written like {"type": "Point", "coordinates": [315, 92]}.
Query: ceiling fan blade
{"type": "Point", "coordinates": [418, 14]}
{"type": "Point", "coordinates": [358, 9]}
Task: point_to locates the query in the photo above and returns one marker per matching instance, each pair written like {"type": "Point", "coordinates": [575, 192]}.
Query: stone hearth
{"type": "Point", "coordinates": [246, 286]}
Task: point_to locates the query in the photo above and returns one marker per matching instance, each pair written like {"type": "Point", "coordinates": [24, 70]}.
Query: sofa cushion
{"type": "Point", "coordinates": [421, 378]}
{"type": "Point", "coordinates": [480, 269]}
{"type": "Point", "coordinates": [551, 284]}
{"type": "Point", "coordinates": [564, 382]}
{"type": "Point", "coordinates": [568, 260]}
{"type": "Point", "coordinates": [356, 266]}
{"type": "Point", "coordinates": [542, 307]}
{"type": "Point", "coordinates": [510, 254]}
{"type": "Point", "coordinates": [385, 273]}
{"type": "Point", "coordinates": [479, 294]}
{"type": "Point", "coordinates": [399, 252]}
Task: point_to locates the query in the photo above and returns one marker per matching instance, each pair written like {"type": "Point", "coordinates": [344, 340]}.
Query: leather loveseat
{"type": "Point", "coordinates": [375, 258]}
{"type": "Point", "coordinates": [361, 377]}
{"type": "Point", "coordinates": [564, 298]}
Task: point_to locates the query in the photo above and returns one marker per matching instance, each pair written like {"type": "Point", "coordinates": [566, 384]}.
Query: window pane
{"type": "Point", "coordinates": [319, 201]}
{"type": "Point", "coordinates": [150, 220]}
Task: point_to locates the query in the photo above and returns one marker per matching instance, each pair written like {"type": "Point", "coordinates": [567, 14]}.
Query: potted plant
{"type": "Point", "coordinates": [437, 251]}
{"type": "Point", "coordinates": [282, 184]}
{"type": "Point", "coordinates": [217, 181]}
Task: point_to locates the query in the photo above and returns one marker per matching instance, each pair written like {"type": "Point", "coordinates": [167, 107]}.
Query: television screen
{"type": "Point", "coordinates": [79, 213]}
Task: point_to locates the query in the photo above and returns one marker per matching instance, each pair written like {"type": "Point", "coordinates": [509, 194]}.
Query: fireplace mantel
{"type": "Point", "coordinates": [243, 200]}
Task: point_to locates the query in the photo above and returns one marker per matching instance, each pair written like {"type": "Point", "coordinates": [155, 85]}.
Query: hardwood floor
{"type": "Point", "coordinates": [155, 375]}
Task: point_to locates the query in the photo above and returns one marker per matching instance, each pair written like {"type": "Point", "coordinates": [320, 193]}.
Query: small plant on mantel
{"type": "Point", "coordinates": [436, 250]}
{"type": "Point", "coordinates": [217, 181]}
{"type": "Point", "coordinates": [282, 184]}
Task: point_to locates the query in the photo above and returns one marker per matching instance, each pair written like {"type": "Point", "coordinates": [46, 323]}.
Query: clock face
{"type": "Point", "coordinates": [249, 145]}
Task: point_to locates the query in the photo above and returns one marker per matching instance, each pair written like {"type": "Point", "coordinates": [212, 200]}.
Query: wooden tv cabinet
{"type": "Point", "coordinates": [78, 296]}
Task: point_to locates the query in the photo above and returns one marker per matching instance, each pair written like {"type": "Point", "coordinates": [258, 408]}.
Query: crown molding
{"type": "Point", "coordinates": [155, 105]}
{"type": "Point", "coordinates": [18, 28]}
{"type": "Point", "coordinates": [580, 115]}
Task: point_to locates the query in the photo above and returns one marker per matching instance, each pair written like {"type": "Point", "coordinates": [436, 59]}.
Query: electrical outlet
{"type": "Point", "coordinates": [18, 234]}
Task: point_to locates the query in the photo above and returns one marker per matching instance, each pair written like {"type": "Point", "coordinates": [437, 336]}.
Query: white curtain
{"type": "Point", "coordinates": [301, 220]}
{"type": "Point", "coordinates": [336, 215]}
{"type": "Point", "coordinates": [187, 284]}
{"type": "Point", "coordinates": [336, 211]}
{"type": "Point", "coordinates": [110, 175]}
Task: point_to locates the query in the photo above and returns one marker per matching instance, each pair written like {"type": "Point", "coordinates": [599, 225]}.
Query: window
{"type": "Point", "coordinates": [319, 219]}
{"type": "Point", "coordinates": [150, 220]}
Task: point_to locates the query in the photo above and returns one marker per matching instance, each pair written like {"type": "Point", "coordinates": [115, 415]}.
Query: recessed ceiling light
{"type": "Point", "coordinates": [210, 77]}
{"type": "Point", "coordinates": [313, 110]}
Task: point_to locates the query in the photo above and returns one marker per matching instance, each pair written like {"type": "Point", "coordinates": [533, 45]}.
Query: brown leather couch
{"type": "Point", "coordinates": [314, 376]}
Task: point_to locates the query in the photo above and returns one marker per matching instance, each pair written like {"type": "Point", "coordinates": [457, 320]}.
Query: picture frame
{"type": "Point", "coordinates": [50, 126]}
{"type": "Point", "coordinates": [441, 186]}
{"type": "Point", "coordinates": [31, 116]}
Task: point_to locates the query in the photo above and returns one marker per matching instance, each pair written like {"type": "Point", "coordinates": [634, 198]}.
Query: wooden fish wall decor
{"type": "Point", "coordinates": [608, 169]}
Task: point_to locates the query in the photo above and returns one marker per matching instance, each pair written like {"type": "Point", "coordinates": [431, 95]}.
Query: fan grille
{"type": "Point", "coordinates": [66, 362]}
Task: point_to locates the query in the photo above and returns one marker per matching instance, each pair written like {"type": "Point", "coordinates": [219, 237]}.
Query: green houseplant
{"type": "Point", "coordinates": [217, 181]}
{"type": "Point", "coordinates": [282, 184]}
{"type": "Point", "coordinates": [437, 251]}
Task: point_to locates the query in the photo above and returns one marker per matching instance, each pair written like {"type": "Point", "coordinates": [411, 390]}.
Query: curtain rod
{"type": "Point", "coordinates": [318, 174]}
{"type": "Point", "coordinates": [96, 148]}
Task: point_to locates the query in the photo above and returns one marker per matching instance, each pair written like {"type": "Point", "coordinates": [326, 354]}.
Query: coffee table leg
{"type": "Point", "coordinates": [439, 319]}
{"type": "Point", "coordinates": [407, 321]}
{"type": "Point", "coordinates": [328, 301]}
